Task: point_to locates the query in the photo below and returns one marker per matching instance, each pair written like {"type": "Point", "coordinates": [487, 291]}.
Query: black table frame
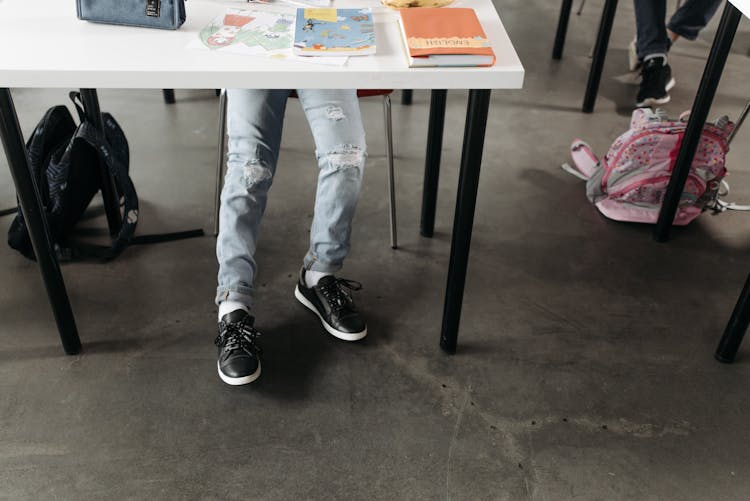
{"type": "Point", "coordinates": [471, 160]}
{"type": "Point", "coordinates": [730, 19]}
{"type": "Point", "coordinates": [712, 74]}
{"type": "Point", "coordinates": [717, 59]}
{"type": "Point", "coordinates": [600, 48]}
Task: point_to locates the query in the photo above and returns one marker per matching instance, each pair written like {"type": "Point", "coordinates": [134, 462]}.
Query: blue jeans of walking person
{"type": "Point", "coordinates": [687, 22]}
{"type": "Point", "coordinates": [653, 42]}
{"type": "Point", "coordinates": [254, 124]}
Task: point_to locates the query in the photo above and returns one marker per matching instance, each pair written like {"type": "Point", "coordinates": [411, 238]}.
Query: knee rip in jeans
{"type": "Point", "coordinates": [348, 157]}
{"type": "Point", "coordinates": [335, 113]}
{"type": "Point", "coordinates": [254, 172]}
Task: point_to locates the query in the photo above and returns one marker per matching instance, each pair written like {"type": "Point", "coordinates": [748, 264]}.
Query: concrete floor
{"type": "Point", "coordinates": [584, 369]}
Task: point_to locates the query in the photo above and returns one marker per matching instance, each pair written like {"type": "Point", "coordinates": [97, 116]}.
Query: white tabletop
{"type": "Point", "coordinates": [43, 44]}
{"type": "Point", "coordinates": [742, 5]}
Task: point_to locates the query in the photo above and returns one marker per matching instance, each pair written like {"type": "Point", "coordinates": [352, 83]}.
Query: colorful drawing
{"type": "Point", "coordinates": [254, 30]}
{"type": "Point", "coordinates": [336, 32]}
{"type": "Point", "coordinates": [223, 33]}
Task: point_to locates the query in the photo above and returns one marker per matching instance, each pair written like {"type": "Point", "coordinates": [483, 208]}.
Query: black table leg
{"type": "Point", "coordinates": [109, 192]}
{"type": "Point", "coordinates": [168, 96]}
{"type": "Point", "coordinates": [406, 96]}
{"type": "Point", "coordinates": [432, 161]}
{"type": "Point", "coordinates": [736, 328]}
{"type": "Point", "coordinates": [28, 198]}
{"type": "Point", "coordinates": [600, 53]}
{"type": "Point", "coordinates": [701, 106]}
{"type": "Point", "coordinates": [562, 28]}
{"type": "Point", "coordinates": [468, 183]}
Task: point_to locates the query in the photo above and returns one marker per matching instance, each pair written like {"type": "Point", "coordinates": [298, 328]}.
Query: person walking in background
{"type": "Point", "coordinates": [654, 39]}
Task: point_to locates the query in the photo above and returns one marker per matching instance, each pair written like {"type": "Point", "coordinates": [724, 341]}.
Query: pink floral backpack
{"type": "Point", "coordinates": [628, 184]}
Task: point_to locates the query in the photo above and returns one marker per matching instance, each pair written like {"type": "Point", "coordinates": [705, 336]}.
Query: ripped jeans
{"type": "Point", "coordinates": [254, 124]}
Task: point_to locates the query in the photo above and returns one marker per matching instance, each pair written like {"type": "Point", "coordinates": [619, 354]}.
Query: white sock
{"type": "Point", "coordinates": [230, 306]}
{"type": "Point", "coordinates": [313, 277]}
{"type": "Point", "coordinates": [652, 56]}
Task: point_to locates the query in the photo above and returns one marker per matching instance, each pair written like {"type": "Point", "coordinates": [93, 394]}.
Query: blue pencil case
{"type": "Point", "coordinates": [163, 14]}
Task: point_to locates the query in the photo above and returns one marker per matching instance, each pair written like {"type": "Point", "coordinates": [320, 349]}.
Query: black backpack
{"type": "Point", "coordinates": [64, 160]}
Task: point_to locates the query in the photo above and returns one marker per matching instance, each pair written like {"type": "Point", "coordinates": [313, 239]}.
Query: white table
{"type": "Point", "coordinates": [45, 46]}
{"type": "Point", "coordinates": [743, 6]}
{"type": "Point", "coordinates": [57, 50]}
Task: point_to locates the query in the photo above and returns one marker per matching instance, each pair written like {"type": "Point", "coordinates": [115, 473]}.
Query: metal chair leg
{"type": "Point", "coordinates": [562, 28]}
{"type": "Point", "coordinates": [600, 53]}
{"type": "Point", "coordinates": [438, 98]}
{"type": "Point", "coordinates": [220, 164]}
{"type": "Point", "coordinates": [391, 175]}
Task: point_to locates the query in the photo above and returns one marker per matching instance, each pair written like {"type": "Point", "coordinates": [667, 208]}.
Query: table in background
{"type": "Point", "coordinates": [733, 11]}
{"type": "Point", "coordinates": [730, 19]}
{"type": "Point", "coordinates": [58, 51]}
{"type": "Point", "coordinates": [600, 47]}
{"type": "Point", "coordinates": [714, 66]}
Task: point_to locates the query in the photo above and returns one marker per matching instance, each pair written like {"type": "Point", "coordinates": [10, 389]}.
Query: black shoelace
{"type": "Point", "coordinates": [239, 336]}
{"type": "Point", "coordinates": [338, 294]}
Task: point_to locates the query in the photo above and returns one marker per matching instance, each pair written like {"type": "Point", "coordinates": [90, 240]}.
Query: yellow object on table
{"type": "Point", "coordinates": [404, 4]}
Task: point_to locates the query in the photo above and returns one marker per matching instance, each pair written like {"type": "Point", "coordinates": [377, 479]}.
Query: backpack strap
{"type": "Point", "coordinates": [584, 157]}
{"type": "Point", "coordinates": [92, 251]}
{"type": "Point", "coordinates": [721, 206]}
{"type": "Point", "coordinates": [718, 205]}
{"type": "Point", "coordinates": [75, 96]}
{"type": "Point", "coordinates": [158, 238]}
{"type": "Point", "coordinates": [740, 121]}
{"type": "Point", "coordinates": [129, 199]}
{"type": "Point", "coordinates": [584, 160]}
{"type": "Point", "coordinates": [112, 154]}
{"type": "Point", "coordinates": [573, 171]}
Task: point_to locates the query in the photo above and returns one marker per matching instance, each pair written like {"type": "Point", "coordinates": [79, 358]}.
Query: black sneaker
{"type": "Point", "coordinates": [332, 301]}
{"type": "Point", "coordinates": [238, 351]}
{"type": "Point", "coordinates": [655, 84]}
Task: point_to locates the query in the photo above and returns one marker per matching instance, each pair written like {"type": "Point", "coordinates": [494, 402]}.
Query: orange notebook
{"type": "Point", "coordinates": [444, 37]}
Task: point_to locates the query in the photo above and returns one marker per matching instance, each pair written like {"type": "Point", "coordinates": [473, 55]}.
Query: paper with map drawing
{"type": "Point", "coordinates": [262, 31]}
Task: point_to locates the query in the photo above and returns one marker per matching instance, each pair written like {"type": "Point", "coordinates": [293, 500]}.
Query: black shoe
{"type": "Point", "coordinates": [655, 84]}
{"type": "Point", "coordinates": [239, 353]}
{"type": "Point", "coordinates": [332, 301]}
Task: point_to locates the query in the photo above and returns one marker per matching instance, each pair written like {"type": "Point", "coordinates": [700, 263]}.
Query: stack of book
{"type": "Point", "coordinates": [444, 37]}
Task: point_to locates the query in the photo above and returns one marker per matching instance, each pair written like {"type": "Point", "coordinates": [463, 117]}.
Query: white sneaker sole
{"type": "Point", "coordinates": [670, 85]}
{"type": "Point", "coordinates": [238, 381]}
{"type": "Point", "coordinates": [346, 336]}
{"type": "Point", "coordinates": [656, 102]}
